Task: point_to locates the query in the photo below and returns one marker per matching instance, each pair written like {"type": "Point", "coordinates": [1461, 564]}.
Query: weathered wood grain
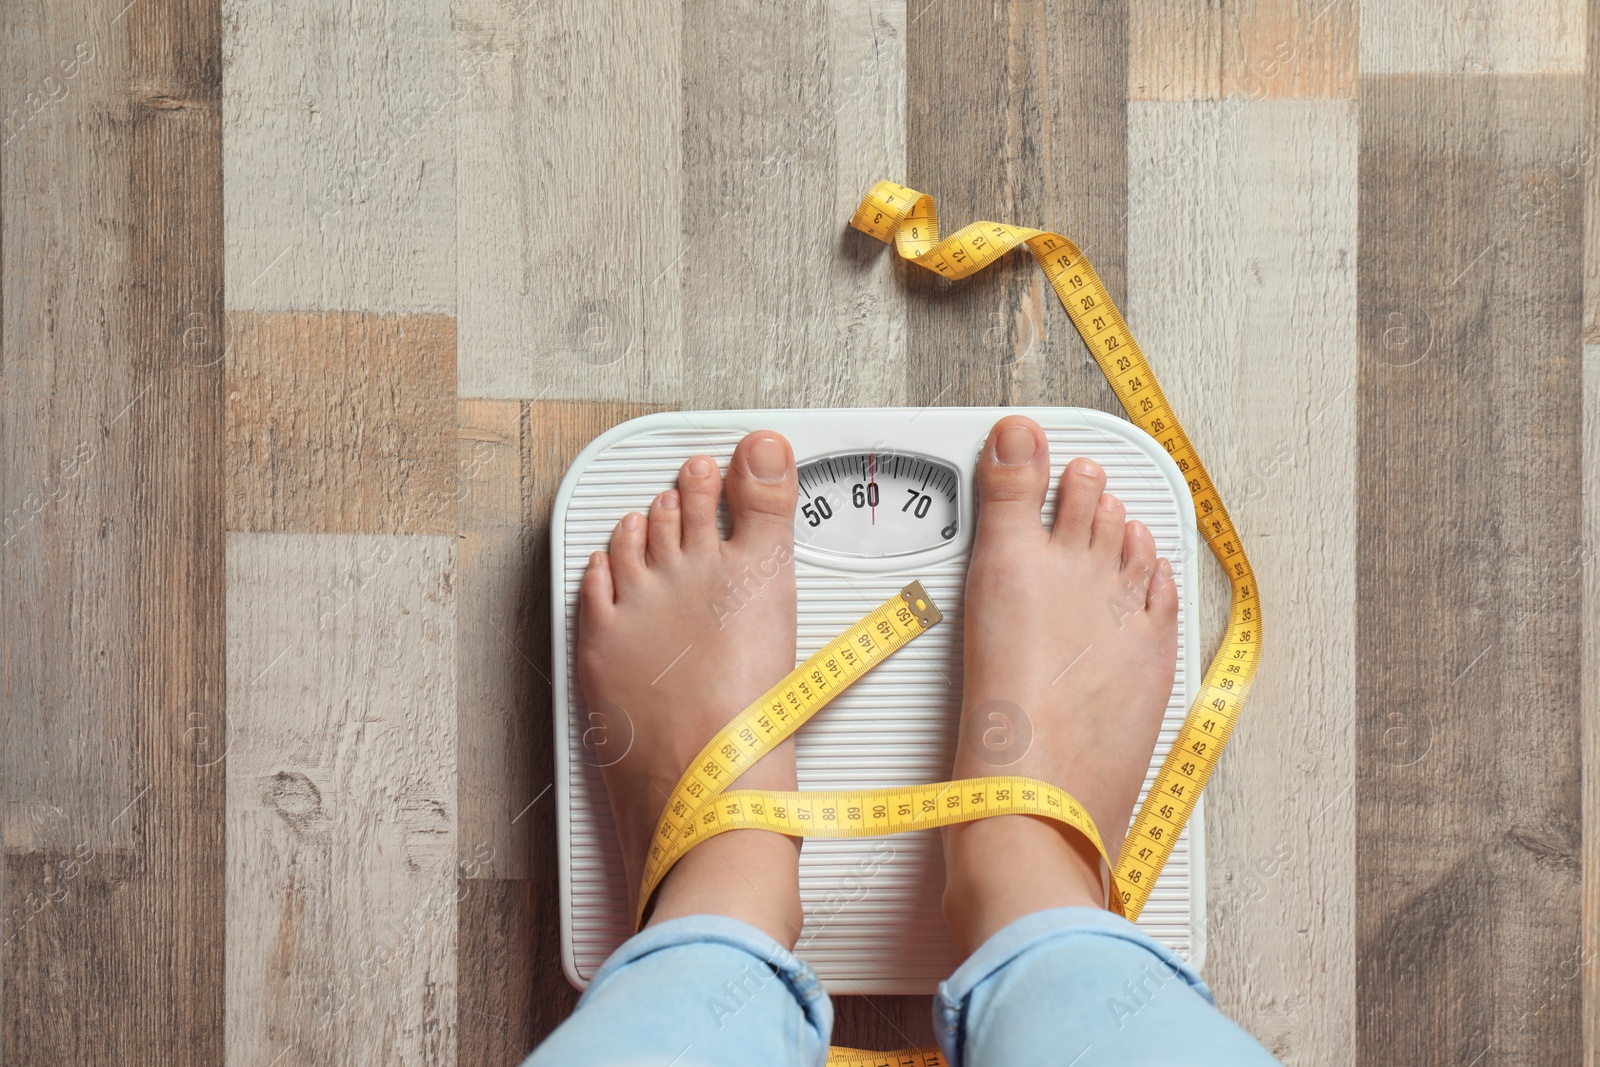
{"type": "Point", "coordinates": [505, 999]}
{"type": "Point", "coordinates": [784, 305]}
{"type": "Point", "coordinates": [68, 457]}
{"type": "Point", "coordinates": [1243, 49]}
{"type": "Point", "coordinates": [1035, 135]}
{"type": "Point", "coordinates": [1590, 957]}
{"type": "Point", "coordinates": [1468, 803]}
{"type": "Point", "coordinates": [1587, 964]}
{"type": "Point", "coordinates": [1502, 36]}
{"type": "Point", "coordinates": [1242, 292]}
{"type": "Point", "coordinates": [1583, 166]}
{"type": "Point", "coordinates": [513, 456]}
{"type": "Point", "coordinates": [501, 668]}
{"type": "Point", "coordinates": [110, 441]}
{"type": "Point", "coordinates": [341, 873]}
{"type": "Point", "coordinates": [341, 136]}
{"type": "Point", "coordinates": [568, 200]}
{"type": "Point", "coordinates": [341, 422]}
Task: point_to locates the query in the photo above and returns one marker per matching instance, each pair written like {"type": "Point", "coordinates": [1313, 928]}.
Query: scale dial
{"type": "Point", "coordinates": [872, 504]}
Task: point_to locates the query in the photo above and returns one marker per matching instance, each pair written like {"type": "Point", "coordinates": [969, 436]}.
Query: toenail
{"type": "Point", "coordinates": [1016, 445]}
{"type": "Point", "coordinates": [669, 500]}
{"type": "Point", "coordinates": [768, 460]}
{"type": "Point", "coordinates": [630, 520]}
{"type": "Point", "coordinates": [700, 467]}
{"type": "Point", "coordinates": [1086, 467]}
{"type": "Point", "coordinates": [1166, 569]}
{"type": "Point", "coordinates": [1108, 502]}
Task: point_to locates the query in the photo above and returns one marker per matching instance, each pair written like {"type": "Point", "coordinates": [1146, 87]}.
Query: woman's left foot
{"type": "Point", "coordinates": [1071, 633]}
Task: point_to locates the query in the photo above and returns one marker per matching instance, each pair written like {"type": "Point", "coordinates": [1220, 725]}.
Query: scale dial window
{"type": "Point", "coordinates": [866, 505]}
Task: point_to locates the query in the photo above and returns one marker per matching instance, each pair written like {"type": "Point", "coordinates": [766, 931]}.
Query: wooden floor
{"type": "Point", "coordinates": [307, 306]}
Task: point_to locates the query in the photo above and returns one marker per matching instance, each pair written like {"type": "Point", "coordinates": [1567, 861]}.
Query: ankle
{"type": "Point", "coordinates": [1003, 868]}
{"type": "Point", "coordinates": [749, 875]}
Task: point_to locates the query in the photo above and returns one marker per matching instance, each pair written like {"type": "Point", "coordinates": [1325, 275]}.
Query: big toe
{"type": "Point", "coordinates": [1012, 474]}
{"type": "Point", "coordinates": [762, 488]}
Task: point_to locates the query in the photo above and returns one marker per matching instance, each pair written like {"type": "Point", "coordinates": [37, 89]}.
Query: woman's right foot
{"type": "Point", "coordinates": [679, 630]}
{"type": "Point", "coordinates": [1071, 645]}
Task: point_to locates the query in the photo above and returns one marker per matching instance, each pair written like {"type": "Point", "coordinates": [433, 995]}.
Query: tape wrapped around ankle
{"type": "Point", "coordinates": [701, 805]}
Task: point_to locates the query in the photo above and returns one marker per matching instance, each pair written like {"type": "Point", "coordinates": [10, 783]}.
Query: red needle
{"type": "Point", "coordinates": [872, 483]}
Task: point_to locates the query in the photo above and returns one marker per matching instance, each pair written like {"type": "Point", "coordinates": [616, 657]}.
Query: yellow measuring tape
{"type": "Point", "coordinates": [701, 805]}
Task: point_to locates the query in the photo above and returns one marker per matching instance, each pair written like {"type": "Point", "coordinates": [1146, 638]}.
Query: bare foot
{"type": "Point", "coordinates": [1071, 644]}
{"type": "Point", "coordinates": [681, 630]}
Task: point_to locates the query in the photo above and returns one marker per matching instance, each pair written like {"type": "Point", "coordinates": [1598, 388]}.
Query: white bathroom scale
{"type": "Point", "coordinates": [886, 496]}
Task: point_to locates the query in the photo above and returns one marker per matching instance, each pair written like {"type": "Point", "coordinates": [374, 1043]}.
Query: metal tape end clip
{"type": "Point", "coordinates": [921, 603]}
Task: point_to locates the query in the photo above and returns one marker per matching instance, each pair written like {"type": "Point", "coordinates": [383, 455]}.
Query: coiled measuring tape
{"type": "Point", "coordinates": [701, 805]}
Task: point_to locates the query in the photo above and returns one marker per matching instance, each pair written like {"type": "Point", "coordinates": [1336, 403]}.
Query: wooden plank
{"type": "Point", "coordinates": [1241, 279]}
{"type": "Point", "coordinates": [568, 200]}
{"type": "Point", "coordinates": [340, 131]}
{"type": "Point", "coordinates": [1591, 544]}
{"type": "Point", "coordinates": [340, 422]}
{"type": "Point", "coordinates": [1590, 565]}
{"type": "Point", "coordinates": [1503, 36]}
{"type": "Point", "coordinates": [341, 867]}
{"type": "Point", "coordinates": [509, 946]}
{"type": "Point", "coordinates": [964, 339]}
{"type": "Point", "coordinates": [110, 440]}
{"type": "Point", "coordinates": [1468, 804]}
{"type": "Point", "coordinates": [1036, 135]}
{"type": "Point", "coordinates": [512, 459]}
{"type": "Point", "coordinates": [66, 915]}
{"type": "Point", "coordinates": [789, 307]}
{"type": "Point", "coordinates": [1243, 49]}
{"type": "Point", "coordinates": [1583, 165]}
{"type": "Point", "coordinates": [68, 456]}
{"type": "Point", "coordinates": [503, 670]}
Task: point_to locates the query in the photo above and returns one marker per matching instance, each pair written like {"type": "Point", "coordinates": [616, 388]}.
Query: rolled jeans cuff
{"type": "Point", "coordinates": [797, 976]}
{"type": "Point", "coordinates": [1034, 933]}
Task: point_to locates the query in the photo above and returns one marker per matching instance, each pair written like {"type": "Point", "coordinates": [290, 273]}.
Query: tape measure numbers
{"type": "Point", "coordinates": [702, 806]}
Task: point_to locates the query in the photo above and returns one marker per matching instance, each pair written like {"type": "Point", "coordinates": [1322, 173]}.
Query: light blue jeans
{"type": "Point", "coordinates": [1069, 987]}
